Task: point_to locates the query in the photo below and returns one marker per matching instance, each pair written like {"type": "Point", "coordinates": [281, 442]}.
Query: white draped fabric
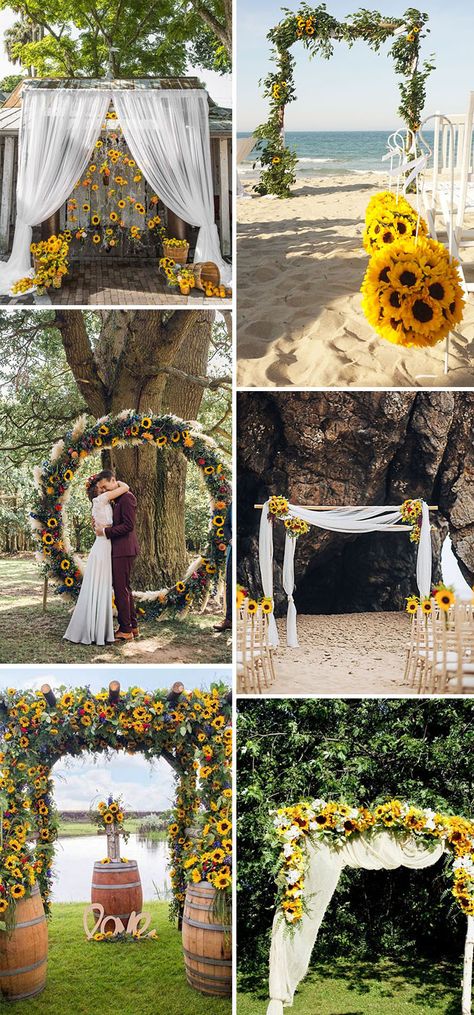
{"type": "Point", "coordinates": [167, 132]}
{"type": "Point", "coordinates": [291, 952]}
{"type": "Point", "coordinates": [57, 133]}
{"type": "Point", "coordinates": [351, 520]}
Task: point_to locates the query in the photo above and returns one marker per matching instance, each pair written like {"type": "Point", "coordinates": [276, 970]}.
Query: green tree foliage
{"type": "Point", "coordinates": [8, 83]}
{"type": "Point", "coordinates": [364, 752]}
{"type": "Point", "coordinates": [77, 38]}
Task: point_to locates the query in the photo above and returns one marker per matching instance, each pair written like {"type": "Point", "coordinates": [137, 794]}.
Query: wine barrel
{"type": "Point", "coordinates": [118, 888]}
{"type": "Point", "coordinates": [205, 271]}
{"type": "Point", "coordinates": [24, 951]}
{"type": "Point", "coordinates": [207, 947]}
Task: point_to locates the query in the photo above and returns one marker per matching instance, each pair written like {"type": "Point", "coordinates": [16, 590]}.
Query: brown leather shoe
{"type": "Point", "coordinates": [225, 626]}
{"type": "Point", "coordinates": [136, 632]}
{"type": "Point", "coordinates": [124, 636]}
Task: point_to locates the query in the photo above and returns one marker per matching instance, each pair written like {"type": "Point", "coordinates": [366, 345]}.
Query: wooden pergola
{"type": "Point", "coordinates": [220, 128]}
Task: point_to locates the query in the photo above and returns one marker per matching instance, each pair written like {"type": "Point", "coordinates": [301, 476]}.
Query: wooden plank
{"type": "Point", "coordinates": [224, 195]}
{"type": "Point", "coordinates": [7, 193]}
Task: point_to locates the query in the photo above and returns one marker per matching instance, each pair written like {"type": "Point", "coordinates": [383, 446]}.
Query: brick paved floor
{"type": "Point", "coordinates": [115, 282]}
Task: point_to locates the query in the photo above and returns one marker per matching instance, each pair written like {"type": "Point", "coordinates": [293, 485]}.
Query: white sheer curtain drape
{"type": "Point", "coordinates": [167, 132]}
{"type": "Point", "coordinates": [291, 952]}
{"type": "Point", "coordinates": [57, 132]}
{"type": "Point", "coordinates": [353, 520]}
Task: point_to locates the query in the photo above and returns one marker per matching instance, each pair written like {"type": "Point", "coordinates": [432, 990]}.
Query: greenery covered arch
{"type": "Point", "coordinates": [318, 30]}
{"type": "Point", "coordinates": [53, 479]}
{"type": "Point", "coordinates": [190, 729]}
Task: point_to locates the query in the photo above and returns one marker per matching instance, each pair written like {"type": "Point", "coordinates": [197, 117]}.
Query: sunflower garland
{"type": "Point", "coordinates": [412, 293]}
{"type": "Point", "coordinates": [54, 477]}
{"type": "Point", "coordinates": [333, 823]}
{"type": "Point", "coordinates": [195, 732]}
{"type": "Point", "coordinates": [318, 30]}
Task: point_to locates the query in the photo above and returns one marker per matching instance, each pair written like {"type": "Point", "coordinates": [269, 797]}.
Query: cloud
{"type": "Point", "coordinates": [79, 783]}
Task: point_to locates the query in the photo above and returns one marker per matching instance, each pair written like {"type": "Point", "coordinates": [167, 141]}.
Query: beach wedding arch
{"type": "Point", "coordinates": [190, 729]}
{"type": "Point", "coordinates": [315, 840]}
{"type": "Point", "coordinates": [318, 30]}
{"type": "Point", "coordinates": [54, 477]}
{"type": "Point", "coordinates": [412, 514]}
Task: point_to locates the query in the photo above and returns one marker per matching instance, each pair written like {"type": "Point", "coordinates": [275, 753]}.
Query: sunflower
{"type": "Point", "coordinates": [180, 586]}
{"type": "Point", "coordinates": [48, 539]}
{"type": "Point", "coordinates": [108, 818]}
{"type": "Point", "coordinates": [146, 422]}
{"type": "Point", "coordinates": [426, 607]}
{"type": "Point", "coordinates": [113, 216]}
{"type": "Point", "coordinates": [68, 475]}
{"type": "Point", "coordinates": [65, 564]}
{"type": "Point", "coordinates": [445, 599]}
{"type": "Point", "coordinates": [3, 905]}
{"type": "Point", "coordinates": [17, 891]}
{"type": "Point", "coordinates": [252, 606]}
{"type": "Point", "coordinates": [95, 220]}
{"type": "Point", "coordinates": [223, 827]}
{"type": "Point", "coordinates": [412, 604]}
{"type": "Point", "coordinates": [52, 523]}
{"type": "Point", "coordinates": [86, 206]}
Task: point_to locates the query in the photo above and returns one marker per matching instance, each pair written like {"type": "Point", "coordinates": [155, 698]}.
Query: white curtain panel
{"type": "Point", "coordinates": [265, 555]}
{"type": "Point", "coordinates": [167, 132]}
{"type": "Point", "coordinates": [351, 520]}
{"type": "Point", "coordinates": [57, 133]}
{"type": "Point", "coordinates": [291, 951]}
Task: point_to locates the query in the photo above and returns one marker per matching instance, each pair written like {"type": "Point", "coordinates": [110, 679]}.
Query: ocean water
{"type": "Point", "coordinates": [323, 153]}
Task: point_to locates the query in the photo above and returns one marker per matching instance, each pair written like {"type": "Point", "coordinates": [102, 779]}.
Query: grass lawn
{"type": "Point", "coordinates": [91, 978]}
{"type": "Point", "coordinates": [349, 987]}
{"type": "Point", "coordinates": [70, 828]}
{"type": "Point", "coordinates": [27, 635]}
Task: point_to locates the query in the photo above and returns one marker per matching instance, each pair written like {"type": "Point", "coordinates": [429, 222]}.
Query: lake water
{"type": "Point", "coordinates": [75, 858]}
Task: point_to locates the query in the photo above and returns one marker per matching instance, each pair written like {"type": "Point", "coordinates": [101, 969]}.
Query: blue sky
{"type": "Point", "coordinates": [79, 783]}
{"type": "Point", "coordinates": [356, 89]}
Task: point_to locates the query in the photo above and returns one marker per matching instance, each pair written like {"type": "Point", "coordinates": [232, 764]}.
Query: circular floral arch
{"type": "Point", "coordinates": [53, 481]}
{"type": "Point", "coordinates": [190, 729]}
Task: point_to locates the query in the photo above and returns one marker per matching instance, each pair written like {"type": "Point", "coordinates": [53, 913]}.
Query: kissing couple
{"type": "Point", "coordinates": [109, 566]}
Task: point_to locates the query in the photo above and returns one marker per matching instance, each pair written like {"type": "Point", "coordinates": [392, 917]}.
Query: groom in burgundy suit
{"type": "Point", "coordinates": [124, 550]}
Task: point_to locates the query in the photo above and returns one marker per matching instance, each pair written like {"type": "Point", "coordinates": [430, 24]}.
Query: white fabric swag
{"type": "Point", "coordinates": [354, 520]}
{"type": "Point", "coordinates": [57, 133]}
{"type": "Point", "coordinates": [167, 132]}
{"type": "Point", "coordinates": [168, 135]}
{"type": "Point", "coordinates": [290, 952]}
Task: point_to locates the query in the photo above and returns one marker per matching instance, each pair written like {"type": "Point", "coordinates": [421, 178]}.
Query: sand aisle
{"type": "Point", "coordinates": [354, 653]}
{"type": "Point", "coordinates": [300, 323]}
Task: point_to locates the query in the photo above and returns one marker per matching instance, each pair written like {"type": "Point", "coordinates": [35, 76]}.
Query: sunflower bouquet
{"type": "Point", "coordinates": [412, 293]}
{"type": "Point", "coordinates": [296, 527]}
{"type": "Point", "coordinates": [388, 218]}
{"type": "Point", "coordinates": [110, 817]}
{"type": "Point", "coordinates": [50, 264]}
{"type": "Point", "coordinates": [411, 513]}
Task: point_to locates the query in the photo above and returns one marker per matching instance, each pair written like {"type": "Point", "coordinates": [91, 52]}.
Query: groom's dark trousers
{"type": "Point", "coordinates": [124, 550]}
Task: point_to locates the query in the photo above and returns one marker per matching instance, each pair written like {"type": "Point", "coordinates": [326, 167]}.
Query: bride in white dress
{"type": "Point", "coordinates": [92, 620]}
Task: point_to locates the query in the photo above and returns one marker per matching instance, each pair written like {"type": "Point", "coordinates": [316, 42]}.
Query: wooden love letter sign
{"type": "Point", "coordinates": [101, 924]}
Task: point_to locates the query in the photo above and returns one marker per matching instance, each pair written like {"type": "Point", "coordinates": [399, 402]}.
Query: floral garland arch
{"type": "Point", "coordinates": [318, 30]}
{"type": "Point", "coordinates": [53, 481]}
{"type": "Point", "coordinates": [314, 840]}
{"type": "Point", "coordinates": [190, 729]}
{"type": "Point", "coordinates": [335, 822]}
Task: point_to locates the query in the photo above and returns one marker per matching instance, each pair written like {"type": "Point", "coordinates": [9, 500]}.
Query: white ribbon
{"type": "Point", "coordinates": [265, 556]}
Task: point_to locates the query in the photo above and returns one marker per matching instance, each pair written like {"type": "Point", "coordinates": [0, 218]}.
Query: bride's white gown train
{"type": "Point", "coordinates": [92, 620]}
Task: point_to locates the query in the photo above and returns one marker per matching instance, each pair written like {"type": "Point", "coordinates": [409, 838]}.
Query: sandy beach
{"type": "Point", "coordinates": [300, 322]}
{"type": "Point", "coordinates": [355, 653]}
